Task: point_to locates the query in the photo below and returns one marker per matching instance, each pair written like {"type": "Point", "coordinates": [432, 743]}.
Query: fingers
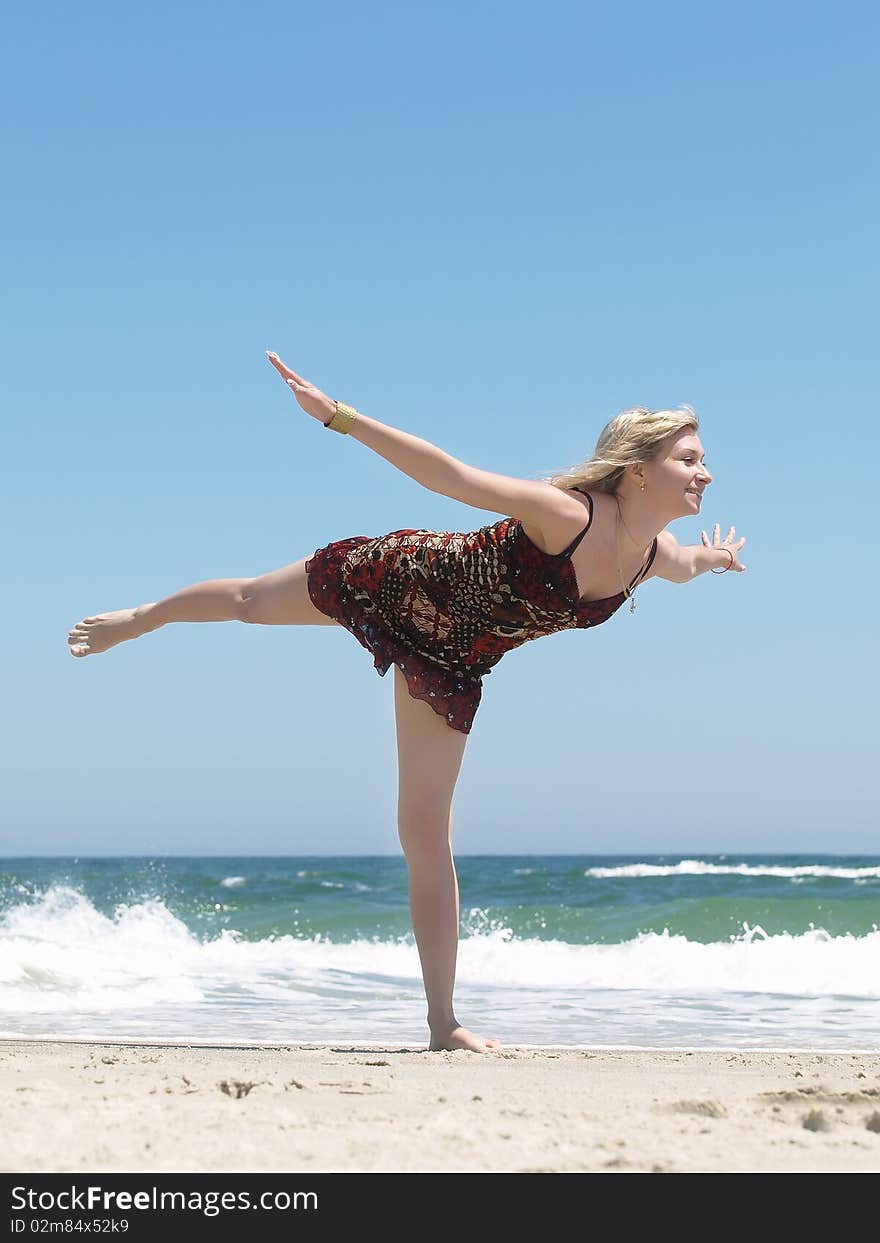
{"type": "Point", "coordinates": [284, 370]}
{"type": "Point", "coordinates": [732, 547]}
{"type": "Point", "coordinates": [716, 542]}
{"type": "Point", "coordinates": [727, 539]}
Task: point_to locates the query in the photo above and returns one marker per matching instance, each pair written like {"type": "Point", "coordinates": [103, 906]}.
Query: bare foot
{"type": "Point", "coordinates": [461, 1038]}
{"type": "Point", "coordinates": [104, 630]}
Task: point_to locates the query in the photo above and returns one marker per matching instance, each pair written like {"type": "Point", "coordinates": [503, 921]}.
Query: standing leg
{"type": "Point", "coordinates": [280, 598]}
{"type": "Point", "coordinates": [429, 756]}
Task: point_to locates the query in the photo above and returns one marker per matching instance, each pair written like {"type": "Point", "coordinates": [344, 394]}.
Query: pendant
{"type": "Point", "coordinates": [632, 603]}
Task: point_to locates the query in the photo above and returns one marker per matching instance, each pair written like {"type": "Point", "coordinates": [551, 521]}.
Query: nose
{"type": "Point", "coordinates": [706, 477]}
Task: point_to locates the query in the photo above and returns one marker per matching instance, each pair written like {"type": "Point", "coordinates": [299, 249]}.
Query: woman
{"type": "Point", "coordinates": [443, 607]}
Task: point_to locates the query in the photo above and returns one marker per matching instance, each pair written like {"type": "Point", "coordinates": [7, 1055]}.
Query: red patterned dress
{"type": "Point", "coordinates": [445, 606]}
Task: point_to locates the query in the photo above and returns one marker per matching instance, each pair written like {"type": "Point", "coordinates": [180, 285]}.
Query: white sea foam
{"type": "Point", "coordinates": [232, 882]}
{"type": "Point", "coordinates": [67, 970]}
{"type": "Point", "coordinates": [696, 867]}
{"type": "Point", "coordinates": [58, 952]}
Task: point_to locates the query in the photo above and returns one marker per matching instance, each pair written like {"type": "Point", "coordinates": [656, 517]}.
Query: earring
{"type": "Point", "coordinates": [643, 485]}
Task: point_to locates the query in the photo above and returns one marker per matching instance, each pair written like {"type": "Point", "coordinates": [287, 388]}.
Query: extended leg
{"type": "Point", "coordinates": [280, 598]}
{"type": "Point", "coordinates": [429, 760]}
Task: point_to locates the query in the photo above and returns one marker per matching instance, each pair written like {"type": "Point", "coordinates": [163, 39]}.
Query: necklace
{"type": "Point", "coordinates": [632, 594]}
{"type": "Point", "coordinates": [625, 527]}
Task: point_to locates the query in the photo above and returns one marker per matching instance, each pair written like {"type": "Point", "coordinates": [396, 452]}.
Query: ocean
{"type": "Point", "coordinates": [708, 951]}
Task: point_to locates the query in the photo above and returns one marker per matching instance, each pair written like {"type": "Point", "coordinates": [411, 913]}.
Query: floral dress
{"type": "Point", "coordinates": [445, 606]}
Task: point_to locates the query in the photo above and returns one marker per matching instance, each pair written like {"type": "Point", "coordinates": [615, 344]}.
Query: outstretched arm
{"type": "Point", "coordinates": [679, 563]}
{"type": "Point", "coordinates": [431, 466]}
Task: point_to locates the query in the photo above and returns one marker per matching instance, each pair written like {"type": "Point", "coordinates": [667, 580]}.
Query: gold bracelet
{"type": "Point", "coordinates": [342, 419]}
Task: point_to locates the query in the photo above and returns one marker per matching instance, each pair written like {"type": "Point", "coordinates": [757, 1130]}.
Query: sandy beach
{"type": "Point", "coordinates": [93, 1107]}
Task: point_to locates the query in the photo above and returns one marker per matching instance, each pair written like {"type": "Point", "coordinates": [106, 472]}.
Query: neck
{"type": "Point", "coordinates": [639, 520]}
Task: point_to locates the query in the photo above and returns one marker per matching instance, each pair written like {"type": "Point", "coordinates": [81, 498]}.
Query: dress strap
{"type": "Point", "coordinates": [639, 573]}
{"type": "Point", "coordinates": [577, 539]}
{"type": "Point", "coordinates": [644, 570]}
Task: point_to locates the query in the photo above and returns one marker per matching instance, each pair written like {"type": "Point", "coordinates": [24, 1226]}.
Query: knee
{"type": "Point", "coordinates": [246, 603]}
{"type": "Point", "coordinates": [424, 832]}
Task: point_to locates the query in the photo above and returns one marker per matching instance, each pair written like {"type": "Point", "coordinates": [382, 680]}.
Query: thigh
{"type": "Point", "coordinates": [281, 598]}
{"type": "Point", "coordinates": [429, 756]}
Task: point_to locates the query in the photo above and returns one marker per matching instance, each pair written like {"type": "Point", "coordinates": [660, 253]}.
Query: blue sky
{"type": "Point", "coordinates": [493, 226]}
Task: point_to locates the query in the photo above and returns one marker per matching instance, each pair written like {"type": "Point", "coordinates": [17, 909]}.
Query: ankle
{"type": "Point", "coordinates": [145, 616]}
{"type": "Point", "coordinates": [442, 1026]}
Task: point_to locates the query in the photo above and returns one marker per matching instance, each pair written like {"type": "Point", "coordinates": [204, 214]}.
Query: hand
{"type": "Point", "coordinates": [312, 400]}
{"type": "Point", "coordinates": [727, 543]}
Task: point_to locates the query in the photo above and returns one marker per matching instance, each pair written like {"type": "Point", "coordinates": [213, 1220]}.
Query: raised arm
{"type": "Point", "coordinates": [679, 563]}
{"type": "Point", "coordinates": [432, 467]}
{"type": "Point", "coordinates": [530, 501]}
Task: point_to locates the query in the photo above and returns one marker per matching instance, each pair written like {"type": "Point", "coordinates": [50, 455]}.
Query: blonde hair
{"type": "Point", "coordinates": [632, 436]}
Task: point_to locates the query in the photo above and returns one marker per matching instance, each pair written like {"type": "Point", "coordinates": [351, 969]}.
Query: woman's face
{"type": "Point", "coordinates": [677, 477]}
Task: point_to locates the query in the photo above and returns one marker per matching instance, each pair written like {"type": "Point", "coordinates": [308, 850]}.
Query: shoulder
{"type": "Point", "coordinates": [563, 515]}
{"type": "Point", "coordinates": [592, 508]}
